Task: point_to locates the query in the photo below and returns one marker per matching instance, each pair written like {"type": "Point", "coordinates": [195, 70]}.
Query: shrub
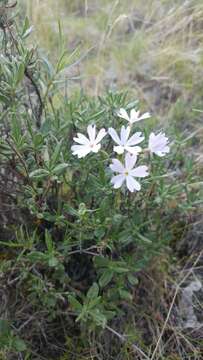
{"type": "Point", "coordinates": [73, 247]}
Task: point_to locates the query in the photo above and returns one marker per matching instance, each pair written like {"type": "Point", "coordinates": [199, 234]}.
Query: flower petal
{"type": "Point", "coordinates": [144, 116]}
{"type": "Point", "coordinates": [112, 132]}
{"type": "Point", "coordinates": [125, 132]}
{"type": "Point", "coordinates": [132, 184]}
{"type": "Point", "coordinates": [117, 181]}
{"type": "Point", "coordinates": [152, 136]}
{"type": "Point", "coordinates": [134, 115]}
{"type": "Point", "coordinates": [158, 144]}
{"type": "Point", "coordinates": [140, 171]}
{"type": "Point", "coordinates": [123, 114]}
{"type": "Point", "coordinates": [100, 135]}
{"type": "Point", "coordinates": [117, 166]}
{"type": "Point", "coordinates": [162, 153]}
{"type": "Point", "coordinates": [130, 161]}
{"type": "Point", "coordinates": [96, 148]}
{"type": "Point", "coordinates": [167, 149]}
{"type": "Point", "coordinates": [119, 149]}
{"type": "Point", "coordinates": [135, 150]}
{"type": "Point", "coordinates": [81, 139]}
{"type": "Point", "coordinates": [135, 139]}
{"type": "Point", "coordinates": [91, 130]}
{"type": "Point", "coordinates": [80, 150]}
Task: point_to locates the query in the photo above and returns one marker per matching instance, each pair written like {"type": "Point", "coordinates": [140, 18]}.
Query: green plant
{"type": "Point", "coordinates": [82, 246]}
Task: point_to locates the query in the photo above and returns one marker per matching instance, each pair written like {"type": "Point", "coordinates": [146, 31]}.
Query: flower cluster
{"type": "Point", "coordinates": [126, 144]}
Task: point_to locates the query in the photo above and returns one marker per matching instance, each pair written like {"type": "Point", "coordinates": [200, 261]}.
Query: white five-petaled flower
{"type": "Point", "coordinates": [158, 144]}
{"type": "Point", "coordinates": [124, 142]}
{"type": "Point", "coordinates": [88, 145]}
{"type": "Point", "coordinates": [134, 115]}
{"type": "Point", "coordinates": [127, 173]}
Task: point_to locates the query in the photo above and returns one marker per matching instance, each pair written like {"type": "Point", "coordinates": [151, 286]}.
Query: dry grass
{"type": "Point", "coordinates": [152, 49]}
{"type": "Point", "coordinates": [142, 47]}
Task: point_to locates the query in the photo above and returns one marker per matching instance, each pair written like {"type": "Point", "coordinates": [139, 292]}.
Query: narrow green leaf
{"type": "Point", "coordinates": [132, 279]}
{"type": "Point", "coordinates": [125, 295]}
{"type": "Point", "coordinates": [75, 304]}
{"type": "Point", "coordinates": [53, 261]}
{"type": "Point", "coordinates": [56, 154]}
{"type": "Point", "coordinates": [93, 292]}
{"type": "Point", "coordinates": [20, 74]}
{"type": "Point", "coordinates": [105, 278]}
{"type": "Point", "coordinates": [39, 174]}
{"type": "Point", "coordinates": [59, 169]}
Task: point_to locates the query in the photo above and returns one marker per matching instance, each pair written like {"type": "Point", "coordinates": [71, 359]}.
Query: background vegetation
{"type": "Point", "coordinates": [87, 273]}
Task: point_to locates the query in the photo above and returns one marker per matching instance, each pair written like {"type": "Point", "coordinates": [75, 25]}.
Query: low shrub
{"type": "Point", "coordinates": [75, 238]}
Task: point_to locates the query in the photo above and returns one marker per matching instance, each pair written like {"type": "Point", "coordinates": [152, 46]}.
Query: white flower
{"type": "Point", "coordinates": [134, 115]}
{"type": "Point", "coordinates": [158, 144]}
{"type": "Point", "coordinates": [124, 142]}
{"type": "Point", "coordinates": [88, 145]}
{"type": "Point", "coordinates": [128, 172]}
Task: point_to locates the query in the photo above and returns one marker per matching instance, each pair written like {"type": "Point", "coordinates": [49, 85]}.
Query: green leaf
{"type": "Point", "coordinates": [27, 29]}
{"type": "Point", "coordinates": [101, 262]}
{"type": "Point", "coordinates": [75, 304]}
{"type": "Point", "coordinates": [4, 327]}
{"type": "Point", "coordinates": [19, 344]}
{"type": "Point", "coordinates": [99, 318]}
{"type": "Point", "coordinates": [94, 302]}
{"type": "Point", "coordinates": [48, 65]}
{"type": "Point", "coordinates": [132, 279]}
{"type": "Point", "coordinates": [16, 131]}
{"type": "Point", "coordinates": [59, 169]}
{"type": "Point", "coordinates": [56, 154]}
{"type": "Point", "coordinates": [27, 32]}
{"type": "Point", "coordinates": [119, 267]}
{"type": "Point", "coordinates": [120, 270]}
{"type": "Point", "coordinates": [93, 292]}
{"type": "Point", "coordinates": [105, 278]}
{"type": "Point", "coordinates": [48, 241]}
{"type": "Point", "coordinates": [38, 140]}
{"type": "Point", "coordinates": [96, 115]}
{"type": "Point", "coordinates": [125, 295]}
{"type": "Point", "coordinates": [25, 25]}
{"type": "Point", "coordinates": [144, 238]}
{"type": "Point", "coordinates": [125, 237]}
{"type": "Point", "coordinates": [20, 74]}
{"type": "Point", "coordinates": [63, 62]}
{"type": "Point", "coordinates": [100, 232]}
{"type": "Point", "coordinates": [131, 105]}
{"type": "Point", "coordinates": [35, 256]}
{"type": "Point", "coordinates": [53, 261]}
{"type": "Point", "coordinates": [39, 174]}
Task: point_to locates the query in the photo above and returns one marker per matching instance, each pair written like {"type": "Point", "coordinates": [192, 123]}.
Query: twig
{"type": "Point", "coordinates": [25, 323]}
{"type": "Point", "coordinates": [41, 105]}
{"type": "Point", "coordinates": [86, 251]}
{"type": "Point", "coordinates": [172, 303]}
{"type": "Point", "coordinates": [35, 86]}
{"type": "Point", "coordinates": [19, 157]}
{"type": "Point", "coordinates": [123, 339]}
